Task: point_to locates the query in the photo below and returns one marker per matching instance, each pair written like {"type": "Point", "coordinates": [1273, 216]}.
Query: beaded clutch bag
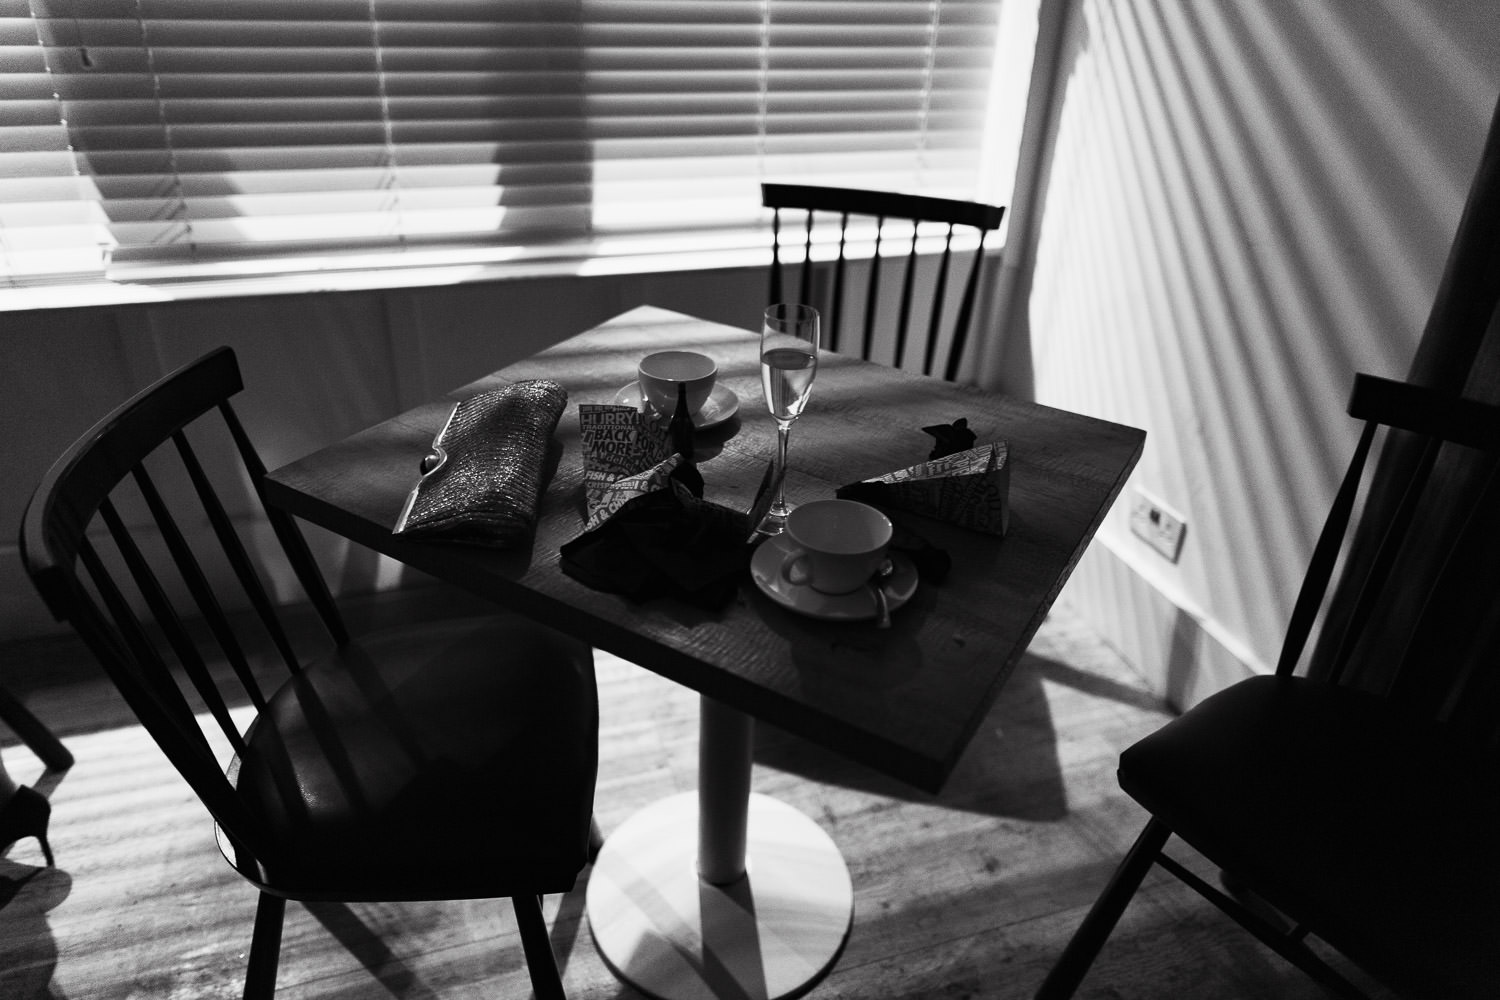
{"type": "Point", "coordinates": [483, 480]}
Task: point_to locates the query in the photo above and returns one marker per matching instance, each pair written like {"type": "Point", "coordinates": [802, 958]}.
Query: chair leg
{"type": "Point", "coordinates": [1081, 951]}
{"type": "Point", "coordinates": [546, 981]}
{"type": "Point", "coordinates": [265, 948]}
{"type": "Point", "coordinates": [1288, 942]}
{"type": "Point", "coordinates": [596, 838]}
{"type": "Point", "coordinates": [33, 733]}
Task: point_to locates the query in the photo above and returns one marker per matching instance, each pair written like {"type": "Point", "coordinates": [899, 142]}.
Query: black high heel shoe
{"type": "Point", "coordinates": [26, 815]}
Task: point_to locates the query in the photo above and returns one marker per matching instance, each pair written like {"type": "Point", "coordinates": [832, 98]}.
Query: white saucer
{"type": "Point", "coordinates": [859, 605]}
{"type": "Point", "coordinates": [721, 404]}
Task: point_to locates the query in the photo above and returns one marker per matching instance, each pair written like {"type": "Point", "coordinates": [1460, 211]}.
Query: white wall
{"type": "Point", "coordinates": [1245, 203]}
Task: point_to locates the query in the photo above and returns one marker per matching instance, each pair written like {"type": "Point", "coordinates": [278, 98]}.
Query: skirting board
{"type": "Point", "coordinates": [1175, 650]}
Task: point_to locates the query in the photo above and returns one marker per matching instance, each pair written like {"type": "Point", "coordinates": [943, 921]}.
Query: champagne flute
{"type": "Point", "coordinates": [788, 362]}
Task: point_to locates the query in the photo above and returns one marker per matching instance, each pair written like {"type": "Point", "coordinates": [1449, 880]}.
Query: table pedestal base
{"type": "Point", "coordinates": [771, 934]}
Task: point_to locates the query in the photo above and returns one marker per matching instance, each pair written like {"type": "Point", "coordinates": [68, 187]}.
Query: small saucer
{"type": "Point", "coordinates": [721, 404]}
{"type": "Point", "coordinates": [858, 605]}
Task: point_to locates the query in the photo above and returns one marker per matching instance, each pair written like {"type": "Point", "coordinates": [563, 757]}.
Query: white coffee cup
{"type": "Point", "coordinates": [837, 545]}
{"type": "Point", "coordinates": [659, 375]}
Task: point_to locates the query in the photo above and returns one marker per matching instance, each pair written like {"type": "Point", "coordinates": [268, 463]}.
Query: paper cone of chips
{"type": "Point", "coordinates": [970, 488]}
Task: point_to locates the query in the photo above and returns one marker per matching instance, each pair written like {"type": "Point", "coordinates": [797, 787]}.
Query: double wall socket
{"type": "Point", "coordinates": [1160, 526]}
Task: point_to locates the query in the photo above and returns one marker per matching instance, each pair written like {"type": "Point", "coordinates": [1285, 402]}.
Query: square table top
{"type": "Point", "coordinates": [904, 700]}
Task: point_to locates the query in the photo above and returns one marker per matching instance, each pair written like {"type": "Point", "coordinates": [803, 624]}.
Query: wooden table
{"type": "Point", "coordinates": [673, 910]}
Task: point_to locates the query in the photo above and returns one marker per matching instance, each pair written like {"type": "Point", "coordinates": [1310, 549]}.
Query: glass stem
{"type": "Point", "coordinates": [783, 436]}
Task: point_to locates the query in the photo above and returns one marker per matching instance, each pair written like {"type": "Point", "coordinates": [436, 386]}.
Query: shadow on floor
{"type": "Point", "coordinates": [1010, 767]}
{"type": "Point", "coordinates": [28, 952]}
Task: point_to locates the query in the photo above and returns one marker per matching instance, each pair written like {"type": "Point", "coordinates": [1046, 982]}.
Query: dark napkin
{"type": "Point", "coordinates": [662, 544]}
{"type": "Point", "coordinates": [958, 483]}
{"type": "Point", "coordinates": [950, 439]}
{"type": "Point", "coordinates": [932, 563]}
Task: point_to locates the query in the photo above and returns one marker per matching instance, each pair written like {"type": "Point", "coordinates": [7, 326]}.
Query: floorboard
{"type": "Point", "coordinates": [966, 894]}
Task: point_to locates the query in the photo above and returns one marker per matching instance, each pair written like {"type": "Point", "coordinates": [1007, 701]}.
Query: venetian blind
{"type": "Point", "coordinates": [214, 130]}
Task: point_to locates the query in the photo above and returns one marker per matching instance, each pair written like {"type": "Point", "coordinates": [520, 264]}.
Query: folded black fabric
{"type": "Point", "coordinates": [484, 479]}
{"type": "Point", "coordinates": [661, 545]}
{"type": "Point", "coordinates": [932, 563]}
{"type": "Point", "coordinates": [950, 439]}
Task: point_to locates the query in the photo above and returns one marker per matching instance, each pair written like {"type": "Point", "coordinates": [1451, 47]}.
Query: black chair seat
{"type": "Point", "coordinates": [1247, 776]}
{"type": "Point", "coordinates": [414, 764]}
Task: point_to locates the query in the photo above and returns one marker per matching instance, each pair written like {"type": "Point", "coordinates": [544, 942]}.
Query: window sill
{"type": "Point", "coordinates": [141, 284]}
{"type": "Point", "coordinates": [147, 283]}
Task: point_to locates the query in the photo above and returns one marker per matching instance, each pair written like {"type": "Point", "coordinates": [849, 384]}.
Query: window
{"type": "Point", "coordinates": [148, 135]}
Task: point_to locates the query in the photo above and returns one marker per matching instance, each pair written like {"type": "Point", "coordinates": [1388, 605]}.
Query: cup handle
{"type": "Point", "coordinates": [794, 570]}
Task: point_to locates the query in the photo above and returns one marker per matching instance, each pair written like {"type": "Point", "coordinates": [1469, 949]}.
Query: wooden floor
{"type": "Point", "coordinates": [968, 894]}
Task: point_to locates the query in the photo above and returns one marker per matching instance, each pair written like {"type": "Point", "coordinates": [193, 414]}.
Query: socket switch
{"type": "Point", "coordinates": [1161, 527]}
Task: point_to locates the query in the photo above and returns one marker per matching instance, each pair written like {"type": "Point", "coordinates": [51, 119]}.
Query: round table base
{"type": "Point", "coordinates": [671, 935]}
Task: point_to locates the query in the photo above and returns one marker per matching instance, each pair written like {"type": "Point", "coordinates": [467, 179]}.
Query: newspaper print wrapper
{"type": "Point", "coordinates": [649, 532]}
{"type": "Point", "coordinates": [628, 454]}
{"type": "Point", "coordinates": [483, 480]}
{"type": "Point", "coordinates": [969, 488]}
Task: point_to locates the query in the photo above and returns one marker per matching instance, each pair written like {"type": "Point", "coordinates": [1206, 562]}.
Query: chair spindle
{"type": "Point", "coordinates": [199, 587]}
{"type": "Point", "coordinates": [836, 304]}
{"type": "Point", "coordinates": [1325, 554]}
{"type": "Point", "coordinates": [304, 566]}
{"type": "Point", "coordinates": [775, 256]}
{"type": "Point", "coordinates": [939, 295]}
{"type": "Point", "coordinates": [235, 552]}
{"type": "Point", "coordinates": [149, 689]}
{"type": "Point", "coordinates": [908, 281]}
{"type": "Point", "coordinates": [167, 620]}
{"type": "Point", "coordinates": [965, 312]}
{"type": "Point", "coordinates": [1465, 699]}
{"type": "Point", "coordinates": [1386, 554]}
{"type": "Point", "coordinates": [872, 290]}
{"type": "Point", "coordinates": [805, 292]}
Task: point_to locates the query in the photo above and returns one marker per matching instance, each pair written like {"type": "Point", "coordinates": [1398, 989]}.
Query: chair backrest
{"type": "Point", "coordinates": [841, 205]}
{"type": "Point", "coordinates": [144, 599]}
{"type": "Point", "coordinates": [1459, 351]}
{"type": "Point", "coordinates": [1451, 430]}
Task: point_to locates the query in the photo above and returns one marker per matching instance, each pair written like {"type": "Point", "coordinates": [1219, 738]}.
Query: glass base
{"type": "Point", "coordinates": [774, 523]}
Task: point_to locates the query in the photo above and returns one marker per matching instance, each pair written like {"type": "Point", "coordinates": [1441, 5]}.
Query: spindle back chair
{"type": "Point", "coordinates": [442, 760]}
{"type": "Point", "coordinates": [941, 351]}
{"type": "Point", "coordinates": [1358, 816]}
